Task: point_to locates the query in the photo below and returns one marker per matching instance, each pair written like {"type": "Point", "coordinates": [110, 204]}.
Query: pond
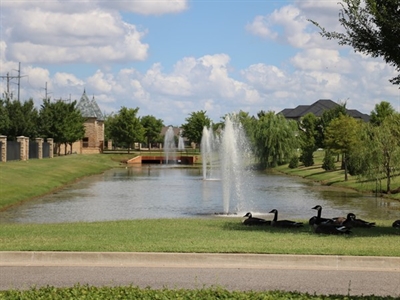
{"type": "Point", "coordinates": [157, 191]}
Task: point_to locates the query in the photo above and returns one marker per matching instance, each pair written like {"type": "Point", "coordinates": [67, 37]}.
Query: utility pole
{"type": "Point", "coordinates": [8, 77]}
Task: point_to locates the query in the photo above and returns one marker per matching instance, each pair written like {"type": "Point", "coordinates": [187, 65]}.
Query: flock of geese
{"type": "Point", "coordinates": [339, 225]}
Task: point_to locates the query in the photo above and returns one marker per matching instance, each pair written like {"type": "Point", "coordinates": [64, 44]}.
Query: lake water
{"type": "Point", "coordinates": [156, 191]}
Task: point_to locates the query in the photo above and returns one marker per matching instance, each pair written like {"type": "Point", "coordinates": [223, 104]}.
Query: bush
{"type": "Point", "coordinates": [294, 162]}
{"type": "Point", "coordinates": [328, 163]}
{"type": "Point", "coordinates": [307, 157]}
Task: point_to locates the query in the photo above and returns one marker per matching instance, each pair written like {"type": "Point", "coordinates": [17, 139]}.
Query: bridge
{"type": "Point", "coordinates": [143, 159]}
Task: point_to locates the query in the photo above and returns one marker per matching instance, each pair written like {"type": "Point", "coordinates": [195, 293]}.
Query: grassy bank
{"type": "Point", "coordinates": [336, 177]}
{"type": "Point", "coordinates": [215, 235]}
{"type": "Point", "coordinates": [23, 180]}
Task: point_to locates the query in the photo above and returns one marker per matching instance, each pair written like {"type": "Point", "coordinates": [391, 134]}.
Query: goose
{"type": "Point", "coordinates": [358, 222]}
{"type": "Point", "coordinates": [319, 211]}
{"type": "Point", "coordinates": [330, 228]}
{"type": "Point", "coordinates": [396, 224]}
{"type": "Point", "coordinates": [251, 221]}
{"type": "Point", "coordinates": [283, 223]}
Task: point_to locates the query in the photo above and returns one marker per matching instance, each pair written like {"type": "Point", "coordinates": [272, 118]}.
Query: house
{"type": "Point", "coordinates": [93, 142]}
{"type": "Point", "coordinates": [318, 108]}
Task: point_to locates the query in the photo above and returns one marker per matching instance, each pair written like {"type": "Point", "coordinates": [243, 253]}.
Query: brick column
{"type": "Point", "coordinates": [22, 143]}
{"type": "Point", "coordinates": [39, 141]}
{"type": "Point", "coordinates": [3, 140]}
{"type": "Point", "coordinates": [109, 144]}
{"type": "Point", "coordinates": [51, 147]}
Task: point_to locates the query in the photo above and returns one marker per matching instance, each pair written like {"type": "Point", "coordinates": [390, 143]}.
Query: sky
{"type": "Point", "coordinates": [170, 58]}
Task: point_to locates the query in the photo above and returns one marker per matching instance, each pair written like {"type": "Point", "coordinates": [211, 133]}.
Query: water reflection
{"type": "Point", "coordinates": [171, 192]}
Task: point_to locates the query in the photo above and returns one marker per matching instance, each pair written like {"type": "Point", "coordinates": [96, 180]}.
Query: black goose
{"type": "Point", "coordinates": [354, 222]}
{"type": "Point", "coordinates": [252, 221]}
{"type": "Point", "coordinates": [283, 223]}
{"type": "Point", "coordinates": [330, 228]}
{"type": "Point", "coordinates": [322, 220]}
{"type": "Point", "coordinates": [396, 224]}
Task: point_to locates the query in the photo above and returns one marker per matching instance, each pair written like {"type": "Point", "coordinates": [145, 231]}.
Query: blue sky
{"type": "Point", "coordinates": [173, 57]}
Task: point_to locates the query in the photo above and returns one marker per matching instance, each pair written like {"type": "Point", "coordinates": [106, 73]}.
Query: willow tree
{"type": "Point", "coordinates": [274, 139]}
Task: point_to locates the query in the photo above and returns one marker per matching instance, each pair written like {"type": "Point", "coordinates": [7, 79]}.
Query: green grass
{"type": "Point", "coordinates": [132, 292]}
{"type": "Point", "coordinates": [336, 177]}
{"type": "Point", "coordinates": [23, 180]}
{"type": "Point", "coordinates": [217, 235]}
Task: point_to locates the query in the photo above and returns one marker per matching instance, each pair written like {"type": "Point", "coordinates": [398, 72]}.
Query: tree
{"type": "Point", "coordinates": [342, 136]}
{"type": "Point", "coordinates": [152, 129]}
{"type": "Point", "coordinates": [307, 132]}
{"type": "Point", "coordinates": [125, 127]}
{"type": "Point", "coordinates": [23, 119]}
{"type": "Point", "coordinates": [61, 121]}
{"type": "Point", "coordinates": [382, 111]}
{"type": "Point", "coordinates": [385, 149]}
{"type": "Point", "coordinates": [193, 128]}
{"type": "Point", "coordinates": [371, 27]}
{"type": "Point", "coordinates": [4, 119]}
{"type": "Point", "coordinates": [275, 139]}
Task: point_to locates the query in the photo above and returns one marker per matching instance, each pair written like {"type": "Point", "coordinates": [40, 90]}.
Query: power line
{"type": "Point", "coordinates": [8, 77]}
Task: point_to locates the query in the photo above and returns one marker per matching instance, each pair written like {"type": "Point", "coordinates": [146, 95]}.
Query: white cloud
{"type": "Point", "coordinates": [36, 35]}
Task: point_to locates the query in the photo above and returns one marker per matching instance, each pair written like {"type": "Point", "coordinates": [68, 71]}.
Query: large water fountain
{"type": "Point", "coordinates": [169, 146]}
{"type": "Point", "coordinates": [226, 156]}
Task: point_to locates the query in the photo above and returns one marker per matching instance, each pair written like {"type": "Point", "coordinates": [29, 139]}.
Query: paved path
{"type": "Point", "coordinates": [304, 273]}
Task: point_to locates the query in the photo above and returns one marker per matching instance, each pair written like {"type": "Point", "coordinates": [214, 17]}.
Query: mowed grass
{"type": "Point", "coordinates": [23, 180]}
{"type": "Point", "coordinates": [216, 235]}
{"type": "Point", "coordinates": [337, 177]}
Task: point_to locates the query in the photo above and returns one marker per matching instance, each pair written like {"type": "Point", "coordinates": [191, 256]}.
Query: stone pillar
{"type": "Point", "coordinates": [39, 141]}
{"type": "Point", "coordinates": [22, 146]}
{"type": "Point", "coordinates": [3, 140]}
{"type": "Point", "coordinates": [51, 147]}
{"type": "Point", "coordinates": [26, 148]}
{"type": "Point", "coordinates": [109, 144]}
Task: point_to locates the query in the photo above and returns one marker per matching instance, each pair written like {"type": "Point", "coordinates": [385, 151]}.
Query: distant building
{"type": "Point", "coordinates": [318, 108]}
{"type": "Point", "coordinates": [93, 142]}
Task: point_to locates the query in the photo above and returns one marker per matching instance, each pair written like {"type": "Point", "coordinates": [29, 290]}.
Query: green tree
{"type": "Point", "coordinates": [324, 121]}
{"type": "Point", "coordinates": [193, 128]}
{"type": "Point", "coordinates": [384, 145]}
{"type": "Point", "coordinates": [275, 139]}
{"type": "Point", "coordinates": [152, 129]}
{"type": "Point", "coordinates": [381, 111]}
{"type": "Point", "coordinates": [125, 127]}
{"type": "Point", "coordinates": [4, 119]}
{"type": "Point", "coordinates": [371, 27]}
{"type": "Point", "coordinates": [61, 121]}
{"type": "Point", "coordinates": [307, 133]}
{"type": "Point", "coordinates": [342, 136]}
{"type": "Point", "coordinates": [23, 119]}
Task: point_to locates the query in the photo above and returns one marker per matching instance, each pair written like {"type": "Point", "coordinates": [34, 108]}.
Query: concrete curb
{"type": "Point", "coordinates": [199, 260]}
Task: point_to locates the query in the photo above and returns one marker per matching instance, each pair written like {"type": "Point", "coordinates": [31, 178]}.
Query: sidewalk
{"type": "Point", "coordinates": [200, 260]}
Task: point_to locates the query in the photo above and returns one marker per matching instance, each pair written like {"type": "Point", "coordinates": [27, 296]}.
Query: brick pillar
{"type": "Point", "coordinates": [39, 141]}
{"type": "Point", "coordinates": [22, 144]}
{"type": "Point", "coordinates": [109, 144]}
{"type": "Point", "coordinates": [51, 147]}
{"type": "Point", "coordinates": [3, 140]}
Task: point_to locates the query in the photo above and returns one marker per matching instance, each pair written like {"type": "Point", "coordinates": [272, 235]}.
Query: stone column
{"type": "Point", "coordinates": [39, 141]}
{"type": "Point", "coordinates": [51, 147]}
{"type": "Point", "coordinates": [22, 146]}
{"type": "Point", "coordinates": [3, 140]}
{"type": "Point", "coordinates": [109, 144]}
{"type": "Point", "coordinates": [26, 148]}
